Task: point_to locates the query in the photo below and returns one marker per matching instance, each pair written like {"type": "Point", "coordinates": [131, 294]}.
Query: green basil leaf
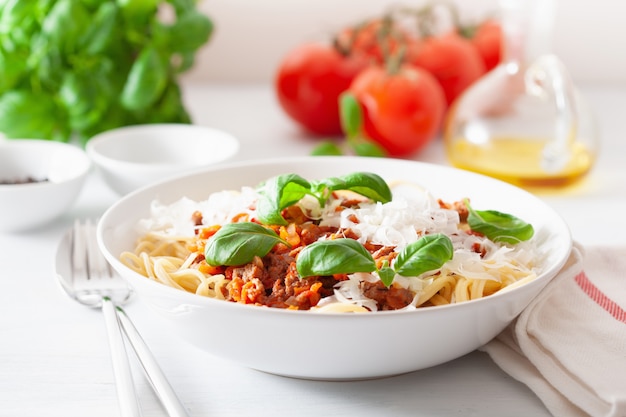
{"type": "Point", "coordinates": [115, 116]}
{"type": "Point", "coordinates": [24, 114]}
{"type": "Point", "coordinates": [85, 97]}
{"type": "Point", "coordinates": [46, 63]}
{"type": "Point", "coordinates": [238, 244]}
{"type": "Point", "coordinates": [138, 12]}
{"type": "Point", "coordinates": [89, 4]}
{"type": "Point", "coordinates": [190, 31]}
{"type": "Point", "coordinates": [278, 193]}
{"type": "Point", "coordinates": [169, 108]}
{"type": "Point", "coordinates": [146, 81]}
{"type": "Point", "coordinates": [350, 114]}
{"type": "Point", "coordinates": [367, 148]}
{"type": "Point", "coordinates": [428, 253]}
{"type": "Point", "coordinates": [43, 7]}
{"type": "Point", "coordinates": [182, 6]}
{"type": "Point", "coordinates": [14, 13]}
{"type": "Point", "coordinates": [367, 184]}
{"type": "Point", "coordinates": [338, 256]}
{"type": "Point", "coordinates": [65, 25]}
{"type": "Point", "coordinates": [103, 30]}
{"type": "Point", "coordinates": [327, 148]}
{"type": "Point", "coordinates": [499, 227]}
{"type": "Point", "coordinates": [12, 68]}
{"type": "Point", "coordinates": [18, 23]}
{"type": "Point", "coordinates": [386, 275]}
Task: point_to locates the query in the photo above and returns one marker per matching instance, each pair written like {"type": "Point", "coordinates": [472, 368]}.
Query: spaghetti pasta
{"type": "Point", "coordinates": [171, 252]}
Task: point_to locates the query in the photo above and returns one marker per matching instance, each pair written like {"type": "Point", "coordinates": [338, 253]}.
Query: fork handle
{"type": "Point", "coordinates": [155, 375]}
{"type": "Point", "coordinates": [129, 405]}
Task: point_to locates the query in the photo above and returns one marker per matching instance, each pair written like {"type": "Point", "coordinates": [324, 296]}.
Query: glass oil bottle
{"type": "Point", "coordinates": [524, 122]}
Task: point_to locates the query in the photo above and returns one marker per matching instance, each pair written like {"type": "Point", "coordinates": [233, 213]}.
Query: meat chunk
{"type": "Point", "coordinates": [392, 298]}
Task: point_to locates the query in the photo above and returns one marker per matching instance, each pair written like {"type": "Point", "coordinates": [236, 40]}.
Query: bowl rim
{"type": "Point", "coordinates": [78, 153]}
{"type": "Point", "coordinates": [542, 279]}
{"type": "Point", "coordinates": [230, 145]}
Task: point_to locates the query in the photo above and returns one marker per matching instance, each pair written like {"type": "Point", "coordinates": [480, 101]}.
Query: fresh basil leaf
{"type": "Point", "coordinates": [350, 115]}
{"type": "Point", "coordinates": [18, 23]}
{"type": "Point", "coordinates": [367, 184]}
{"type": "Point", "coordinates": [102, 32]}
{"type": "Point", "coordinates": [85, 97]}
{"type": "Point", "coordinates": [12, 68]}
{"type": "Point", "coordinates": [428, 253]}
{"type": "Point", "coordinates": [24, 114]}
{"type": "Point", "coordinates": [499, 227]}
{"type": "Point", "coordinates": [115, 116]}
{"type": "Point", "coordinates": [190, 31]}
{"type": "Point", "coordinates": [238, 244]}
{"type": "Point", "coordinates": [146, 81]}
{"type": "Point", "coordinates": [182, 6]}
{"type": "Point", "coordinates": [169, 108]}
{"type": "Point", "coordinates": [92, 5]}
{"type": "Point", "coordinates": [65, 24]}
{"type": "Point", "coordinates": [278, 193]}
{"type": "Point", "coordinates": [327, 148]}
{"type": "Point", "coordinates": [47, 65]}
{"type": "Point", "coordinates": [386, 275]}
{"type": "Point", "coordinates": [14, 13]}
{"type": "Point", "coordinates": [138, 12]}
{"type": "Point", "coordinates": [183, 61]}
{"type": "Point", "coordinates": [338, 256]}
{"type": "Point", "coordinates": [367, 148]}
{"type": "Point", "coordinates": [43, 7]}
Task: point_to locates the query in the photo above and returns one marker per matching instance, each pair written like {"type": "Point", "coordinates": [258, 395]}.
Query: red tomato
{"type": "Point", "coordinates": [488, 41]}
{"type": "Point", "coordinates": [452, 60]}
{"type": "Point", "coordinates": [371, 37]}
{"type": "Point", "coordinates": [401, 111]}
{"type": "Point", "coordinates": [308, 84]}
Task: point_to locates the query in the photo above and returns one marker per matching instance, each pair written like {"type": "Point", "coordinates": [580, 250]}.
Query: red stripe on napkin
{"type": "Point", "coordinates": [600, 298]}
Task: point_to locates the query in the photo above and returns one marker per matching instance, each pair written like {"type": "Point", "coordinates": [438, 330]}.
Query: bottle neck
{"type": "Point", "coordinates": [527, 31]}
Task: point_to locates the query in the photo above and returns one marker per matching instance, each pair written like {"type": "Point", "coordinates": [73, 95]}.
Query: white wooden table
{"type": "Point", "coordinates": [54, 358]}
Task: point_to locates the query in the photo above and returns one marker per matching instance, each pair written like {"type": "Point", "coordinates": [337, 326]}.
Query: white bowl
{"type": "Point", "coordinates": [28, 205]}
{"type": "Point", "coordinates": [336, 346]}
{"type": "Point", "coordinates": [133, 156]}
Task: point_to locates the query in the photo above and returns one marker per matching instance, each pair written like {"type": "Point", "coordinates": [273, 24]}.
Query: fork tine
{"type": "Point", "coordinates": [79, 249]}
{"type": "Point", "coordinates": [92, 275]}
{"type": "Point", "coordinates": [96, 263]}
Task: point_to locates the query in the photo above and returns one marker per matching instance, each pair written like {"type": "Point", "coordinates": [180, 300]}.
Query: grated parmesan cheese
{"type": "Point", "coordinates": [397, 223]}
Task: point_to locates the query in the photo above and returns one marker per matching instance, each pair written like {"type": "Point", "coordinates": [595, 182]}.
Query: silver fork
{"type": "Point", "coordinates": [91, 281]}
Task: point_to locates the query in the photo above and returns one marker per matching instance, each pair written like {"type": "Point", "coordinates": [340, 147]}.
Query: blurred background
{"type": "Point", "coordinates": [251, 37]}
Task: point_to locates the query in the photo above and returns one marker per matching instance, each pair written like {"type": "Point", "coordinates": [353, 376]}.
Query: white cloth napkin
{"type": "Point", "coordinates": [569, 345]}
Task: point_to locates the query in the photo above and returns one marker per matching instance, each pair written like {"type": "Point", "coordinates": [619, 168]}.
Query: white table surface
{"type": "Point", "coordinates": [54, 357]}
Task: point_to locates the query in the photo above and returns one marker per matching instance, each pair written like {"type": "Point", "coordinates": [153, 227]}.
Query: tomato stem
{"type": "Point", "coordinates": [383, 35]}
{"type": "Point", "coordinates": [347, 48]}
{"type": "Point", "coordinates": [394, 62]}
{"type": "Point", "coordinates": [341, 49]}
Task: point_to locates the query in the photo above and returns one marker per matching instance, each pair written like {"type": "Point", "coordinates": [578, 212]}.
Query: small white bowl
{"type": "Point", "coordinates": [40, 180]}
{"type": "Point", "coordinates": [134, 156]}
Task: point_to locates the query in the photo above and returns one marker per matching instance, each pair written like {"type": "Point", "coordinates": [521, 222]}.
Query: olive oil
{"type": "Point", "coordinates": [524, 122]}
{"type": "Point", "coordinates": [518, 160]}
